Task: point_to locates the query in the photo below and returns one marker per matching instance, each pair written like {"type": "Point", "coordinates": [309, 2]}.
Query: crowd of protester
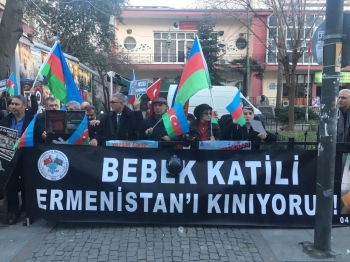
{"type": "Point", "coordinates": [120, 123]}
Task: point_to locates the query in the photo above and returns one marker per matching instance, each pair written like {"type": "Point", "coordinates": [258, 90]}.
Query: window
{"type": "Point", "coordinates": [311, 24]}
{"type": "Point", "coordinates": [130, 43]}
{"type": "Point", "coordinates": [300, 88]}
{"type": "Point", "coordinates": [241, 43]}
{"type": "Point", "coordinates": [178, 50]}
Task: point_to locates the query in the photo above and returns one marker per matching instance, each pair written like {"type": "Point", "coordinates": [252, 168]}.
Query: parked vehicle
{"type": "Point", "coordinates": [222, 96]}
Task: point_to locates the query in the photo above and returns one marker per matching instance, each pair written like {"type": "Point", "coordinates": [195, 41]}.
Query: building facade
{"type": "Point", "coordinates": [158, 41]}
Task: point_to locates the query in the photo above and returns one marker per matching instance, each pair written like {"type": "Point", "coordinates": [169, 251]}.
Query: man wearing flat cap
{"type": "Point", "coordinates": [152, 130]}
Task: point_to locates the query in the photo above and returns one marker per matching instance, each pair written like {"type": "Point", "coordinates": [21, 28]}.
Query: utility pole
{"type": "Point", "coordinates": [248, 59]}
{"type": "Point", "coordinates": [328, 126]}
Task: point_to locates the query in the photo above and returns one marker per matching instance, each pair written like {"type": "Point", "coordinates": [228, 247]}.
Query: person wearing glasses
{"type": "Point", "coordinates": [50, 103]}
{"type": "Point", "coordinates": [201, 128]}
{"type": "Point", "coordinates": [121, 123]}
{"type": "Point", "coordinates": [235, 132]}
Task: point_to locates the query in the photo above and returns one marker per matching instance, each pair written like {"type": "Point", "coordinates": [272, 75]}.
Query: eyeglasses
{"type": "Point", "coordinates": [248, 113]}
{"type": "Point", "coordinates": [53, 105]}
{"type": "Point", "coordinates": [207, 113]}
{"type": "Point", "coordinates": [92, 115]}
{"type": "Point", "coordinates": [113, 102]}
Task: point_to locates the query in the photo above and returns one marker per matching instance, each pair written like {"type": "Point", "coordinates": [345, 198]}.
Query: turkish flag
{"type": "Point", "coordinates": [309, 48]}
{"type": "Point", "coordinates": [47, 161]}
{"type": "Point", "coordinates": [154, 90]}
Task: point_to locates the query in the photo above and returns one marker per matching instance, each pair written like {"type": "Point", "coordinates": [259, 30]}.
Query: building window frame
{"type": "Point", "coordinates": [129, 43]}
{"type": "Point", "coordinates": [271, 44]}
{"type": "Point", "coordinates": [181, 44]}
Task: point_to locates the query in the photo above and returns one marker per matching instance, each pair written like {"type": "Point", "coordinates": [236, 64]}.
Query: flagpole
{"type": "Point", "coordinates": [44, 63]}
{"type": "Point", "coordinates": [157, 122]}
{"type": "Point", "coordinates": [307, 92]}
{"type": "Point", "coordinates": [212, 100]}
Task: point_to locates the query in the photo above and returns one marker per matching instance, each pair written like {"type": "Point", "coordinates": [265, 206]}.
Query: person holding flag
{"type": "Point", "coordinates": [203, 128]}
{"type": "Point", "coordinates": [154, 128]}
{"type": "Point", "coordinates": [236, 131]}
{"type": "Point", "coordinates": [18, 119]}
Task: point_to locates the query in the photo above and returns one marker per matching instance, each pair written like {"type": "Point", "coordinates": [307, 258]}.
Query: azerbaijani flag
{"type": "Point", "coordinates": [81, 134]}
{"type": "Point", "coordinates": [235, 109]}
{"type": "Point", "coordinates": [131, 98]}
{"type": "Point", "coordinates": [26, 140]}
{"type": "Point", "coordinates": [175, 121]}
{"type": "Point", "coordinates": [213, 119]}
{"type": "Point", "coordinates": [60, 79]}
{"type": "Point", "coordinates": [195, 76]}
{"type": "Point", "coordinates": [11, 85]}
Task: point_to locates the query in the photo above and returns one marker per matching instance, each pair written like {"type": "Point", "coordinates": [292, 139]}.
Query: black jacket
{"type": "Point", "coordinates": [194, 132]}
{"type": "Point", "coordinates": [93, 130]}
{"type": "Point", "coordinates": [33, 109]}
{"type": "Point", "coordinates": [158, 131]}
{"type": "Point", "coordinates": [41, 120]}
{"type": "Point", "coordinates": [236, 132]}
{"type": "Point", "coordinates": [7, 122]}
{"type": "Point", "coordinates": [131, 124]}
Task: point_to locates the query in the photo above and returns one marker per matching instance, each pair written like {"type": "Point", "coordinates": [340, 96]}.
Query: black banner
{"type": "Point", "coordinates": [107, 184]}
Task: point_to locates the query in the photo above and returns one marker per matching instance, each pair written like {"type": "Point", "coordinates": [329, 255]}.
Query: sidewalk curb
{"type": "Point", "coordinates": [23, 254]}
{"type": "Point", "coordinates": [262, 246]}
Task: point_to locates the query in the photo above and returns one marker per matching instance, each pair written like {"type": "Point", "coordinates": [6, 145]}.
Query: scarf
{"type": "Point", "coordinates": [342, 131]}
{"type": "Point", "coordinates": [203, 130]}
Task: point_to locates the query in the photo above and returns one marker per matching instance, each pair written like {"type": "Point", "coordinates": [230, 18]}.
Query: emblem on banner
{"type": "Point", "coordinates": [53, 165]}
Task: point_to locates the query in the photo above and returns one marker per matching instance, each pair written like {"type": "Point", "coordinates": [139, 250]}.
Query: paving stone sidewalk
{"type": "Point", "coordinates": [111, 242]}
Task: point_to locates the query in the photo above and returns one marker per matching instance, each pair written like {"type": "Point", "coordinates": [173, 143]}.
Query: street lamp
{"type": "Point", "coordinates": [111, 74]}
{"type": "Point", "coordinates": [302, 49]}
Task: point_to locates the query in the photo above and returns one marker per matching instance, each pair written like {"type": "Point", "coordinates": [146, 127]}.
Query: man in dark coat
{"type": "Point", "coordinates": [94, 123]}
{"type": "Point", "coordinates": [235, 132]}
{"type": "Point", "coordinates": [121, 123]}
{"type": "Point", "coordinates": [18, 119]}
{"type": "Point", "coordinates": [158, 107]}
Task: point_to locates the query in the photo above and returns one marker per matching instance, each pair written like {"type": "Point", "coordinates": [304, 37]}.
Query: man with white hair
{"type": "Point", "coordinates": [121, 123]}
{"type": "Point", "coordinates": [73, 106]}
{"type": "Point", "coordinates": [344, 116]}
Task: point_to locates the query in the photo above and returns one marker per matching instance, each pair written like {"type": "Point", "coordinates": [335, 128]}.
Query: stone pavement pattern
{"type": "Point", "coordinates": [111, 242]}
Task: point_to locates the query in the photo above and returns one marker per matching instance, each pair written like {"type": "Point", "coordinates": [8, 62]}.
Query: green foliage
{"type": "Point", "coordinates": [83, 27]}
{"type": "Point", "coordinates": [209, 43]}
{"type": "Point", "coordinates": [299, 113]}
{"type": "Point", "coordinates": [240, 67]}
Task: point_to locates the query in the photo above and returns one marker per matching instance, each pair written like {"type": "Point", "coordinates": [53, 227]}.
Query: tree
{"type": "Point", "coordinates": [11, 29]}
{"type": "Point", "coordinates": [209, 43]}
{"type": "Point", "coordinates": [290, 17]}
{"type": "Point", "coordinates": [85, 30]}
{"type": "Point", "coordinates": [240, 67]}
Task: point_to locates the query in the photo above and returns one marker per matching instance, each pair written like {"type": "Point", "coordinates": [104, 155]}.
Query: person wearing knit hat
{"type": "Point", "coordinates": [202, 129]}
{"type": "Point", "coordinates": [153, 125]}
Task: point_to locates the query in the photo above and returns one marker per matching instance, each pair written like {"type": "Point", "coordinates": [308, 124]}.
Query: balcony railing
{"type": "Point", "coordinates": [180, 59]}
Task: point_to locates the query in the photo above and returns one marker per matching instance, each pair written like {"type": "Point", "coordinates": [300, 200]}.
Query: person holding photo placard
{"type": "Point", "coordinates": [232, 131]}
